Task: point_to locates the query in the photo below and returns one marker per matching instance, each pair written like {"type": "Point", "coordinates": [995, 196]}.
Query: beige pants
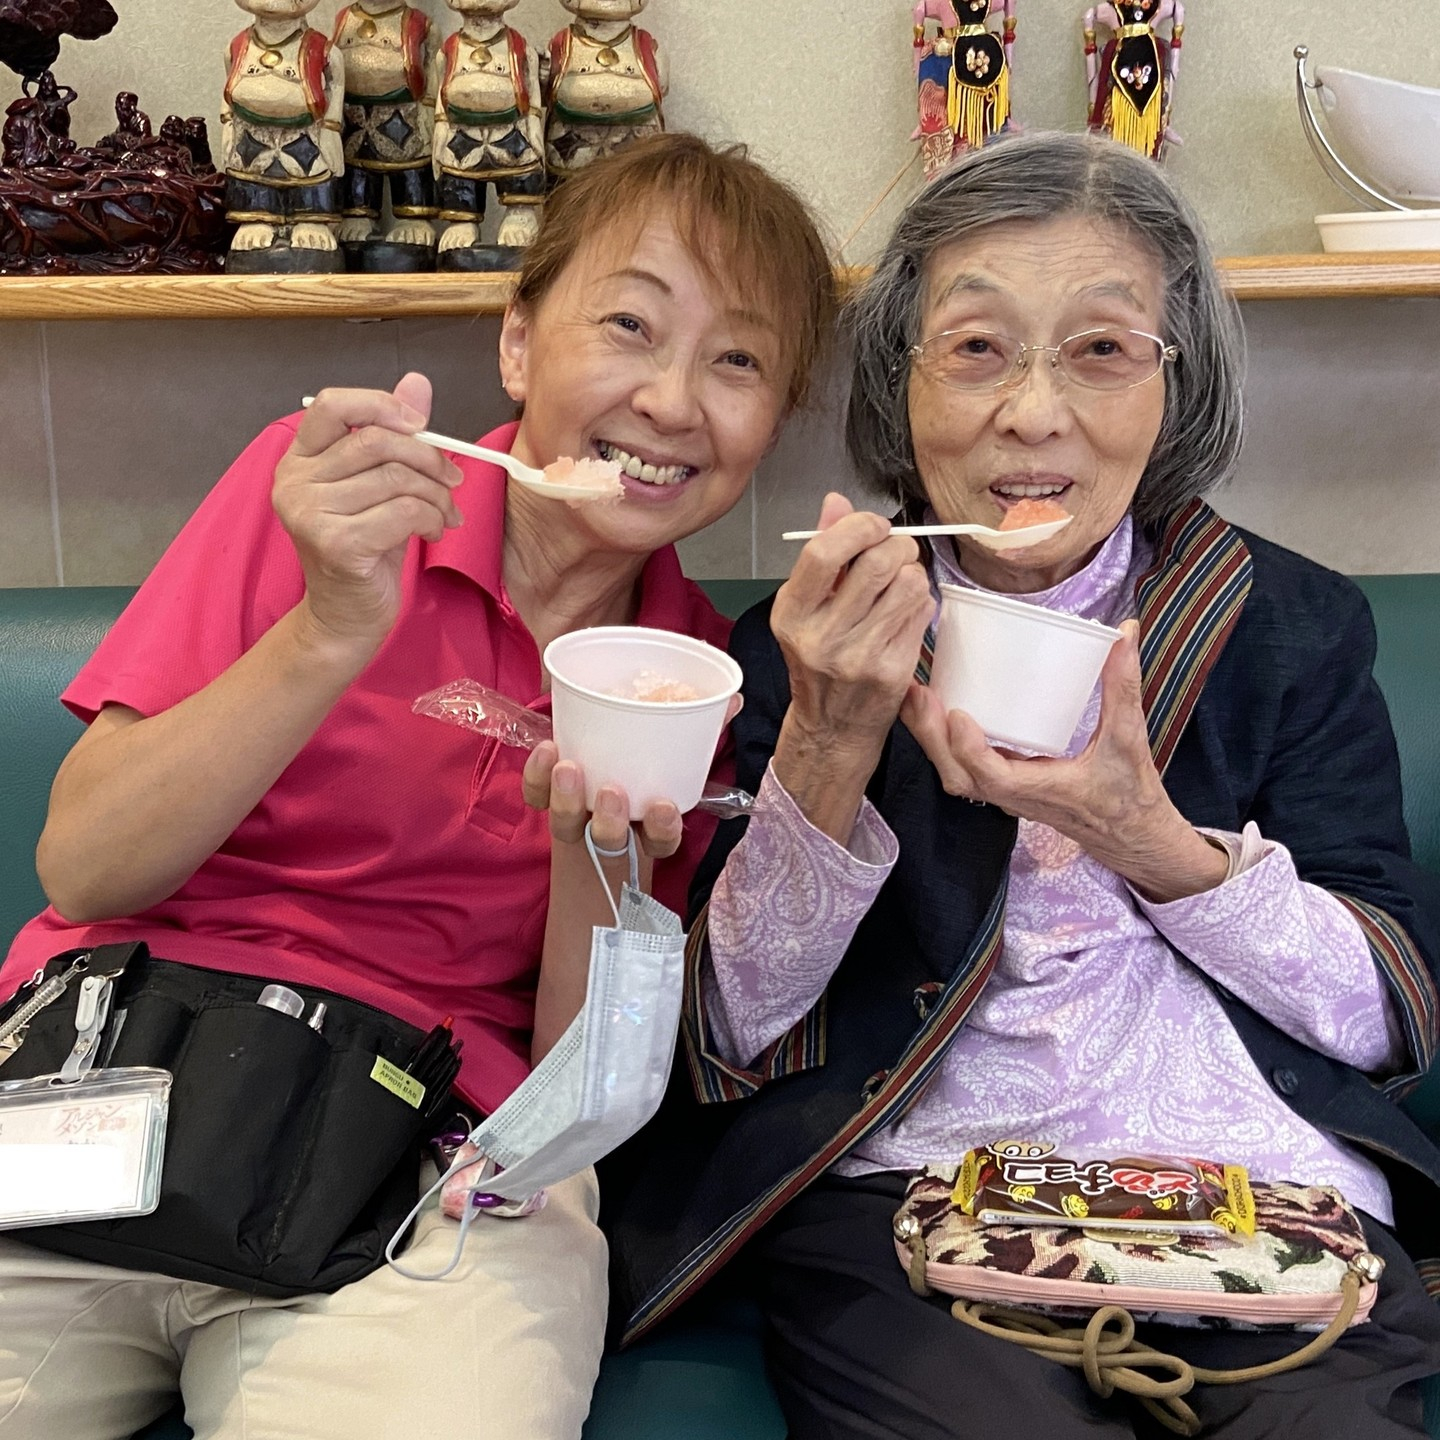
{"type": "Point", "coordinates": [508, 1345]}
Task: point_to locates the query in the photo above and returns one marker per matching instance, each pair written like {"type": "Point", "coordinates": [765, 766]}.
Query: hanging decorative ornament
{"type": "Point", "coordinates": [962, 73]}
{"type": "Point", "coordinates": [1131, 84]}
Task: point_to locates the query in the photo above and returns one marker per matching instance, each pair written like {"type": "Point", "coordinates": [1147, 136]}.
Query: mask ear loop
{"type": "Point", "coordinates": [598, 852]}
{"type": "Point", "coordinates": [487, 1169]}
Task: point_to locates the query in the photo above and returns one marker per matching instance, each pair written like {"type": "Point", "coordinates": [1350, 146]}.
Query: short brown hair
{"type": "Point", "coordinates": [746, 230]}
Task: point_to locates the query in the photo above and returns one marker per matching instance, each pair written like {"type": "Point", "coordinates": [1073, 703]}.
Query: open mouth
{"type": "Point", "coordinates": [639, 467]}
{"type": "Point", "coordinates": [1011, 492]}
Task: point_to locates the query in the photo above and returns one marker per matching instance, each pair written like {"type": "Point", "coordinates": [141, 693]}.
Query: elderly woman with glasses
{"type": "Point", "coordinates": [1197, 933]}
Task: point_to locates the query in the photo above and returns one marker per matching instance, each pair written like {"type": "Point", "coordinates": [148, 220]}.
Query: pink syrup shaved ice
{"type": "Point", "coordinates": [1033, 510]}
{"type": "Point", "coordinates": [589, 478]}
{"type": "Point", "coordinates": [656, 689]}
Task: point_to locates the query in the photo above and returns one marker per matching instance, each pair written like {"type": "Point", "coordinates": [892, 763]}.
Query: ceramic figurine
{"type": "Point", "coordinates": [963, 76]}
{"type": "Point", "coordinates": [1132, 87]}
{"type": "Point", "coordinates": [280, 143]}
{"type": "Point", "coordinates": [488, 131]}
{"type": "Point", "coordinates": [603, 81]}
{"type": "Point", "coordinates": [388, 51]}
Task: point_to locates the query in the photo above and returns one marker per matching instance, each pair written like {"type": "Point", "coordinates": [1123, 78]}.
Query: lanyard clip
{"type": "Point", "coordinates": [92, 1010]}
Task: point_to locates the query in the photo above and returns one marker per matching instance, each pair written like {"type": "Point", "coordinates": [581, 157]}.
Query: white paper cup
{"type": "Point", "coordinates": [655, 750]}
{"type": "Point", "coordinates": [1022, 672]}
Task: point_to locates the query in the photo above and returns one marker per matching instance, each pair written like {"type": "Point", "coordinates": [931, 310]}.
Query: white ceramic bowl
{"type": "Point", "coordinates": [1380, 230]}
{"type": "Point", "coordinates": [1389, 132]}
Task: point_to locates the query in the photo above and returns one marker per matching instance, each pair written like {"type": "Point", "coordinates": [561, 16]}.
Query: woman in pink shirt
{"type": "Point", "coordinates": [254, 795]}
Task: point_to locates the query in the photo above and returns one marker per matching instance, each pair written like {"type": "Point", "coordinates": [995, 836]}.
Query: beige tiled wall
{"type": "Point", "coordinates": [822, 89]}
{"type": "Point", "coordinates": [1345, 425]}
{"type": "Point", "coordinates": [110, 433]}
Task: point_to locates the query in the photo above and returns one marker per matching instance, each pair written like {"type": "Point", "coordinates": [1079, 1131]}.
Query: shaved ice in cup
{"type": "Point", "coordinates": [1022, 672]}
{"type": "Point", "coordinates": [640, 708]}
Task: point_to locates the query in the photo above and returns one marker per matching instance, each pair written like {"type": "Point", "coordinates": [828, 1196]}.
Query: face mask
{"type": "Point", "coordinates": [605, 1076]}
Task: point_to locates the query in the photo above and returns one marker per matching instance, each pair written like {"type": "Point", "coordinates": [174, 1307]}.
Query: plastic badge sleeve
{"type": "Point", "coordinates": [91, 1150]}
{"type": "Point", "coordinates": [483, 711]}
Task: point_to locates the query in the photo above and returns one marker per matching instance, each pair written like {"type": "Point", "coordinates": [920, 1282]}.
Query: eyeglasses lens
{"type": "Point", "coordinates": [1097, 360]}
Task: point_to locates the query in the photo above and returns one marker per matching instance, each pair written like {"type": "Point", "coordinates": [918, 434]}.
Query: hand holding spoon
{"type": "Point", "coordinates": [597, 479]}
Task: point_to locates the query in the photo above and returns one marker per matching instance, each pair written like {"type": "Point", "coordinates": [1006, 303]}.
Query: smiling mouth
{"type": "Point", "coordinates": [1009, 491]}
{"type": "Point", "coordinates": [637, 467]}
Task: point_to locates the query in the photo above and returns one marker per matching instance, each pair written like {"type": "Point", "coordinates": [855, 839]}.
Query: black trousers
{"type": "Point", "coordinates": [854, 1353]}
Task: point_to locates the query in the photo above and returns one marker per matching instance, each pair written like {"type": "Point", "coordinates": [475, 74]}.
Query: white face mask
{"type": "Point", "coordinates": [605, 1076]}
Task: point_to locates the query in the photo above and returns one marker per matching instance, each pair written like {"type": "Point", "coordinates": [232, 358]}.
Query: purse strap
{"type": "Point", "coordinates": [1113, 1361]}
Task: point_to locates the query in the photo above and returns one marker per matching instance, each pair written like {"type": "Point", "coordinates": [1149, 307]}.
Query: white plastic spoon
{"type": "Point", "coordinates": [989, 538]}
{"type": "Point", "coordinates": [526, 475]}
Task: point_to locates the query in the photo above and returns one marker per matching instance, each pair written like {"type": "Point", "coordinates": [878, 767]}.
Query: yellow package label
{"type": "Point", "coordinates": [967, 1182]}
{"type": "Point", "coordinates": [1239, 1202]}
{"type": "Point", "coordinates": [397, 1082]}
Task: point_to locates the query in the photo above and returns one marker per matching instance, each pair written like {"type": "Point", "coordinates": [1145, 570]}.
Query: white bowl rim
{"type": "Point", "coordinates": [1380, 217]}
{"type": "Point", "coordinates": [1029, 610]}
{"type": "Point", "coordinates": [672, 639]}
{"type": "Point", "coordinates": [1321, 71]}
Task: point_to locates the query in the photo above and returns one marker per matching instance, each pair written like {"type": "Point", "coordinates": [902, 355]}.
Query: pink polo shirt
{"type": "Point", "coordinates": [394, 861]}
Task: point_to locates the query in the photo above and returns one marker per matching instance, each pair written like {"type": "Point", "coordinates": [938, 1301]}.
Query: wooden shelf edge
{"type": "Point", "coordinates": [250, 297]}
{"type": "Point", "coordinates": [1371, 275]}
{"type": "Point", "coordinates": [360, 297]}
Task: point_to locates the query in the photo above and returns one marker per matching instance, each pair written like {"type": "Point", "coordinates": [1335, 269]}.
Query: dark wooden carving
{"type": "Point", "coordinates": [133, 203]}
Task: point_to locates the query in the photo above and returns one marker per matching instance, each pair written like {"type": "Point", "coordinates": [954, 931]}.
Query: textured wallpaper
{"type": "Point", "coordinates": [822, 92]}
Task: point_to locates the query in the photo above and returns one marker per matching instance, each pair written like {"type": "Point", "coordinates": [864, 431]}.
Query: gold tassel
{"type": "Point", "coordinates": [1140, 130]}
{"type": "Point", "coordinates": [984, 111]}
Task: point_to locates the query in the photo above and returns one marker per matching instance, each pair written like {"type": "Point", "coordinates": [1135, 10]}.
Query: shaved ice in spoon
{"type": "Point", "coordinates": [1032, 511]}
{"type": "Point", "coordinates": [589, 478]}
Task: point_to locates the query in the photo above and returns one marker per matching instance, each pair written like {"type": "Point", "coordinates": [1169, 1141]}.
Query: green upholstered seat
{"type": "Point", "coordinates": [703, 1380]}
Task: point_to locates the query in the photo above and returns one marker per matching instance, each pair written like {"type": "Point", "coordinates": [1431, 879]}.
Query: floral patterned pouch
{"type": "Point", "coordinates": [1306, 1266]}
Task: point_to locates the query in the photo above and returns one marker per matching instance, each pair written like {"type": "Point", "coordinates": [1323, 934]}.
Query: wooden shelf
{"type": "Point", "coordinates": [249, 297]}
{"type": "Point", "coordinates": [1331, 277]}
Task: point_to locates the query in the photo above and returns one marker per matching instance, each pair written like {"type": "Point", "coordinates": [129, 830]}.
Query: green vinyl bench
{"type": "Point", "coordinates": [702, 1378]}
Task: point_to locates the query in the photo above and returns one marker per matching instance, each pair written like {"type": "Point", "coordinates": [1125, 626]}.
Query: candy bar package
{"type": "Point", "coordinates": [1020, 1183]}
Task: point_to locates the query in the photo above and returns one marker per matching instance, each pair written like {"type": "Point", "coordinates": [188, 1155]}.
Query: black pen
{"type": "Point", "coordinates": [433, 1044]}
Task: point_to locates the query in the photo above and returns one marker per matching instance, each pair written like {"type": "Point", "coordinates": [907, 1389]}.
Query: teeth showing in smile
{"type": "Point", "coordinates": [1032, 492]}
{"type": "Point", "coordinates": [638, 469]}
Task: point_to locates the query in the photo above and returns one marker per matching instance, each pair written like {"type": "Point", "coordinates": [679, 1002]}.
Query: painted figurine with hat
{"type": "Point", "coordinates": [280, 141]}
{"type": "Point", "coordinates": [389, 117]}
{"type": "Point", "coordinates": [488, 131]}
{"type": "Point", "coordinates": [604, 82]}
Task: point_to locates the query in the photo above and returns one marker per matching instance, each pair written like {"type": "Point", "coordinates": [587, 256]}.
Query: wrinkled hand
{"type": "Point", "coordinates": [558, 786]}
{"type": "Point", "coordinates": [849, 621]}
{"type": "Point", "coordinates": [352, 491]}
{"type": "Point", "coordinates": [1109, 798]}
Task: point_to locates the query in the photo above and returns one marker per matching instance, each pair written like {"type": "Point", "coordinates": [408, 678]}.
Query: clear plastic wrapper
{"type": "Point", "coordinates": [487, 712]}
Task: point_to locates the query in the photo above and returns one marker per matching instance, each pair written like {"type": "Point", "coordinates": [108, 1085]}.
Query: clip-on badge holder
{"type": "Point", "coordinates": [81, 1144]}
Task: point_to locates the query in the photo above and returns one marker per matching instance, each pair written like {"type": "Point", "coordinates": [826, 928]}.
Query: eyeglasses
{"type": "Point", "coordinates": [1094, 359]}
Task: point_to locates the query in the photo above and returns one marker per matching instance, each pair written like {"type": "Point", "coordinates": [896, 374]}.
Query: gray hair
{"type": "Point", "coordinates": [1040, 178]}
